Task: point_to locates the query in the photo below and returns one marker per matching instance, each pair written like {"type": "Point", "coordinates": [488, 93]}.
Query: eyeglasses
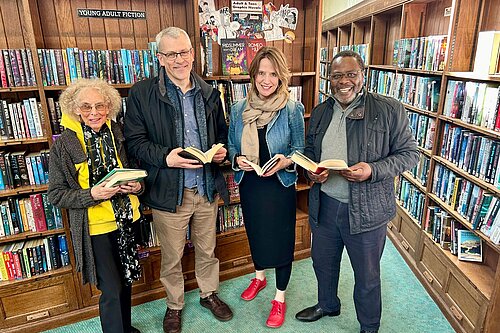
{"type": "Point", "coordinates": [349, 75]}
{"type": "Point", "coordinates": [87, 108]}
{"type": "Point", "coordinates": [171, 56]}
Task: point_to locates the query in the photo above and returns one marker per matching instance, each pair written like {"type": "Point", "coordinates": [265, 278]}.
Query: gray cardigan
{"type": "Point", "coordinates": [65, 192]}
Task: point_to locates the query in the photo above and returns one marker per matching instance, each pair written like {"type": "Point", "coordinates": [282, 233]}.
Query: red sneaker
{"type": "Point", "coordinates": [277, 314]}
{"type": "Point", "coordinates": [253, 289]}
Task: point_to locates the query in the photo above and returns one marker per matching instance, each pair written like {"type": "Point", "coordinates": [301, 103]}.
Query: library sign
{"type": "Point", "coordinates": [110, 13]}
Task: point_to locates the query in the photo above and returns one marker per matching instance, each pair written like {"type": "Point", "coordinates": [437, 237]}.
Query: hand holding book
{"type": "Point", "coordinates": [277, 162]}
{"type": "Point", "coordinates": [214, 154]}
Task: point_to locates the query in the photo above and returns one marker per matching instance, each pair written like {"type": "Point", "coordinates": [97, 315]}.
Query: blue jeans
{"type": "Point", "coordinates": [329, 238]}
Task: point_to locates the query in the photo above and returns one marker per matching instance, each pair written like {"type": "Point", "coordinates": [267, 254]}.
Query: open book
{"type": "Point", "coordinates": [120, 176]}
{"type": "Point", "coordinates": [194, 153]}
{"type": "Point", "coordinates": [312, 166]}
{"type": "Point", "coordinates": [260, 170]}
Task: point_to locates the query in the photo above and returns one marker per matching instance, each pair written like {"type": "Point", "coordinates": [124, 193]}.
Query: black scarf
{"type": "Point", "coordinates": [101, 159]}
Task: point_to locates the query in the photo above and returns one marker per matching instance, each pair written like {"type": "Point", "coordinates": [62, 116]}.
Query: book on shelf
{"type": "Point", "coordinates": [119, 176]}
{"type": "Point", "coordinates": [194, 153]}
{"type": "Point", "coordinates": [233, 55]}
{"type": "Point", "coordinates": [252, 47]}
{"type": "Point", "coordinates": [308, 164]}
{"type": "Point", "coordinates": [261, 170]}
{"type": "Point", "coordinates": [469, 246]}
{"type": "Point", "coordinates": [487, 52]}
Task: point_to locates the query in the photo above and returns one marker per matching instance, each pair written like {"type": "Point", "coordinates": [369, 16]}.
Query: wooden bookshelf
{"type": "Point", "coordinates": [468, 293]}
{"type": "Point", "coordinates": [54, 24]}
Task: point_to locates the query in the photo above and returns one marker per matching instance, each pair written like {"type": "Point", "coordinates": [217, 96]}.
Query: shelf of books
{"type": "Point", "coordinates": [443, 64]}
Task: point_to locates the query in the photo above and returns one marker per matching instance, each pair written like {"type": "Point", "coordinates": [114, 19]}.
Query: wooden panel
{"type": "Point", "coordinates": [435, 22]}
{"type": "Point", "coordinates": [463, 31]}
{"type": "Point", "coordinates": [410, 233]}
{"type": "Point", "coordinates": [491, 16]}
{"type": "Point", "coordinates": [12, 25]}
{"type": "Point", "coordinates": [432, 266]}
{"type": "Point", "coordinates": [53, 295]}
{"type": "Point", "coordinates": [112, 27]}
{"type": "Point", "coordinates": [140, 27]}
{"type": "Point", "coordinates": [465, 303]}
{"type": "Point", "coordinates": [95, 28]}
{"type": "Point", "coordinates": [413, 20]}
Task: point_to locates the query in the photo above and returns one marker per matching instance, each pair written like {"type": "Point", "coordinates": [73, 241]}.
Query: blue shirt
{"type": "Point", "coordinates": [193, 178]}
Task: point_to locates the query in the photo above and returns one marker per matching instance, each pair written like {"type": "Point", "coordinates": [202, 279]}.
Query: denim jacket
{"type": "Point", "coordinates": [284, 135]}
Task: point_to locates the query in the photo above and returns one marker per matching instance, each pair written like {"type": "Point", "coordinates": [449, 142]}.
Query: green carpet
{"type": "Point", "coordinates": [406, 305]}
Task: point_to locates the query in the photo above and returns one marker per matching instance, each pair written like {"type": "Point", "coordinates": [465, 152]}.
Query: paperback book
{"type": "Point", "coordinates": [308, 164]}
{"type": "Point", "coordinates": [194, 153]}
{"type": "Point", "coordinates": [121, 176]}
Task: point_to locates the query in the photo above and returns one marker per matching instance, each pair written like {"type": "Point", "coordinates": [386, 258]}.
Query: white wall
{"type": "Point", "coordinates": [333, 7]}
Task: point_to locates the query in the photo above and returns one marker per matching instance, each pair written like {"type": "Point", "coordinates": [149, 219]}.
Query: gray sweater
{"type": "Point", "coordinates": [65, 192]}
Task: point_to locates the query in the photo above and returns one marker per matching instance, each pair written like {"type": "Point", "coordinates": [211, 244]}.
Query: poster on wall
{"type": "Point", "coordinates": [248, 15]}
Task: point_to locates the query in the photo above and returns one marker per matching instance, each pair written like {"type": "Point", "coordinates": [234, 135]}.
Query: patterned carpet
{"type": "Point", "coordinates": [406, 305]}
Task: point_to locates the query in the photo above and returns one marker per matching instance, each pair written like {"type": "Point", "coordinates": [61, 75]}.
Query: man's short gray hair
{"type": "Point", "coordinates": [172, 32]}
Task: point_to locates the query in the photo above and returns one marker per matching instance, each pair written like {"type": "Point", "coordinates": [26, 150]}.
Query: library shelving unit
{"type": "Point", "coordinates": [57, 297]}
{"type": "Point", "coordinates": [435, 196]}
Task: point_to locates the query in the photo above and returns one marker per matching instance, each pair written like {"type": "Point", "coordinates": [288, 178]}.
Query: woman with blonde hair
{"type": "Point", "coordinates": [264, 125]}
{"type": "Point", "coordinates": [100, 218]}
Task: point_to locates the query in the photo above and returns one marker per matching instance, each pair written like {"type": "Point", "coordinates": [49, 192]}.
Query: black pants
{"type": "Point", "coordinates": [115, 301]}
{"type": "Point", "coordinates": [282, 275]}
{"type": "Point", "coordinates": [329, 238]}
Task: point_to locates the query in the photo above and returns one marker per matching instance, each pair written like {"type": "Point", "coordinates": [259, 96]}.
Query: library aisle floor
{"type": "Point", "coordinates": [406, 305]}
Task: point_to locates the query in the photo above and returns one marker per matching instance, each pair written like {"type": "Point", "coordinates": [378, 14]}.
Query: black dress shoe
{"type": "Point", "coordinates": [314, 313]}
{"type": "Point", "coordinates": [363, 331]}
{"type": "Point", "coordinates": [134, 330]}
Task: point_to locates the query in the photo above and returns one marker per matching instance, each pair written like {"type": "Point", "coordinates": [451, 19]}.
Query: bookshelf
{"type": "Point", "coordinates": [437, 89]}
{"type": "Point", "coordinates": [54, 25]}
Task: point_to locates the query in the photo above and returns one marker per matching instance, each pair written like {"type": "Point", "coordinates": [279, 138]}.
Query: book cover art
{"type": "Point", "coordinates": [252, 47]}
{"type": "Point", "coordinates": [233, 54]}
{"type": "Point", "coordinates": [469, 246]}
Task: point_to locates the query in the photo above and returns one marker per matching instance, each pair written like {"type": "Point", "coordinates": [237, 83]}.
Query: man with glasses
{"type": "Point", "coordinates": [351, 208]}
{"type": "Point", "coordinates": [178, 109]}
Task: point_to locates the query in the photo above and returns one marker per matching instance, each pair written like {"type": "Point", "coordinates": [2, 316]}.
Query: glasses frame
{"type": "Point", "coordinates": [99, 108]}
{"type": "Point", "coordinates": [172, 56]}
{"type": "Point", "coordinates": [345, 75]}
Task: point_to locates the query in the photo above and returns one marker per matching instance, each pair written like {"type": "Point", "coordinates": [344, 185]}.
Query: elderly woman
{"type": "Point", "coordinates": [100, 218]}
{"type": "Point", "coordinates": [264, 125]}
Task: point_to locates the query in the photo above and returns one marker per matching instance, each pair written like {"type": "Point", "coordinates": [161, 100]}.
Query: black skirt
{"type": "Point", "coordinates": [269, 213]}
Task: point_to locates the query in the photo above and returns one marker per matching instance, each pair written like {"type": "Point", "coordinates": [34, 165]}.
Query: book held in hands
{"type": "Point", "coordinates": [260, 170]}
{"type": "Point", "coordinates": [121, 176]}
{"type": "Point", "coordinates": [194, 153]}
{"type": "Point", "coordinates": [314, 167]}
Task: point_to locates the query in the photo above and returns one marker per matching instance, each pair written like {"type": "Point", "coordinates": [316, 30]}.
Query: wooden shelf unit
{"type": "Point", "coordinates": [54, 24]}
{"type": "Point", "coordinates": [468, 293]}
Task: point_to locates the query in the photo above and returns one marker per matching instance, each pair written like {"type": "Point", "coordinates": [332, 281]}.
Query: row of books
{"type": "Point", "coordinates": [362, 49]}
{"type": "Point", "coordinates": [30, 214]}
{"type": "Point", "coordinates": [421, 171]}
{"type": "Point", "coordinates": [425, 53]}
{"type": "Point", "coordinates": [229, 217]}
{"type": "Point", "coordinates": [451, 235]}
{"type": "Point", "coordinates": [20, 169]}
{"type": "Point", "coordinates": [466, 198]}
{"type": "Point", "coordinates": [21, 120]}
{"type": "Point", "coordinates": [410, 197]}
{"type": "Point", "coordinates": [322, 97]}
{"type": "Point", "coordinates": [419, 91]}
{"type": "Point", "coordinates": [22, 260]}
{"type": "Point", "coordinates": [237, 54]}
{"type": "Point", "coordinates": [476, 154]}
{"type": "Point", "coordinates": [16, 68]}
{"type": "Point", "coordinates": [423, 129]}
{"type": "Point", "coordinates": [63, 66]}
{"type": "Point", "coordinates": [476, 103]}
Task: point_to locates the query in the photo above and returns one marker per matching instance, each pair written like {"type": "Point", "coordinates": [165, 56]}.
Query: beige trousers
{"type": "Point", "coordinates": [171, 229]}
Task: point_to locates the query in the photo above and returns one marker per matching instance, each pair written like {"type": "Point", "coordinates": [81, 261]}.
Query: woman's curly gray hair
{"type": "Point", "coordinates": [69, 99]}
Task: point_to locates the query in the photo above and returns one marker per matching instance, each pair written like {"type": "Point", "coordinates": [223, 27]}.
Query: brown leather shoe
{"type": "Point", "coordinates": [172, 321]}
{"type": "Point", "coordinates": [219, 309]}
